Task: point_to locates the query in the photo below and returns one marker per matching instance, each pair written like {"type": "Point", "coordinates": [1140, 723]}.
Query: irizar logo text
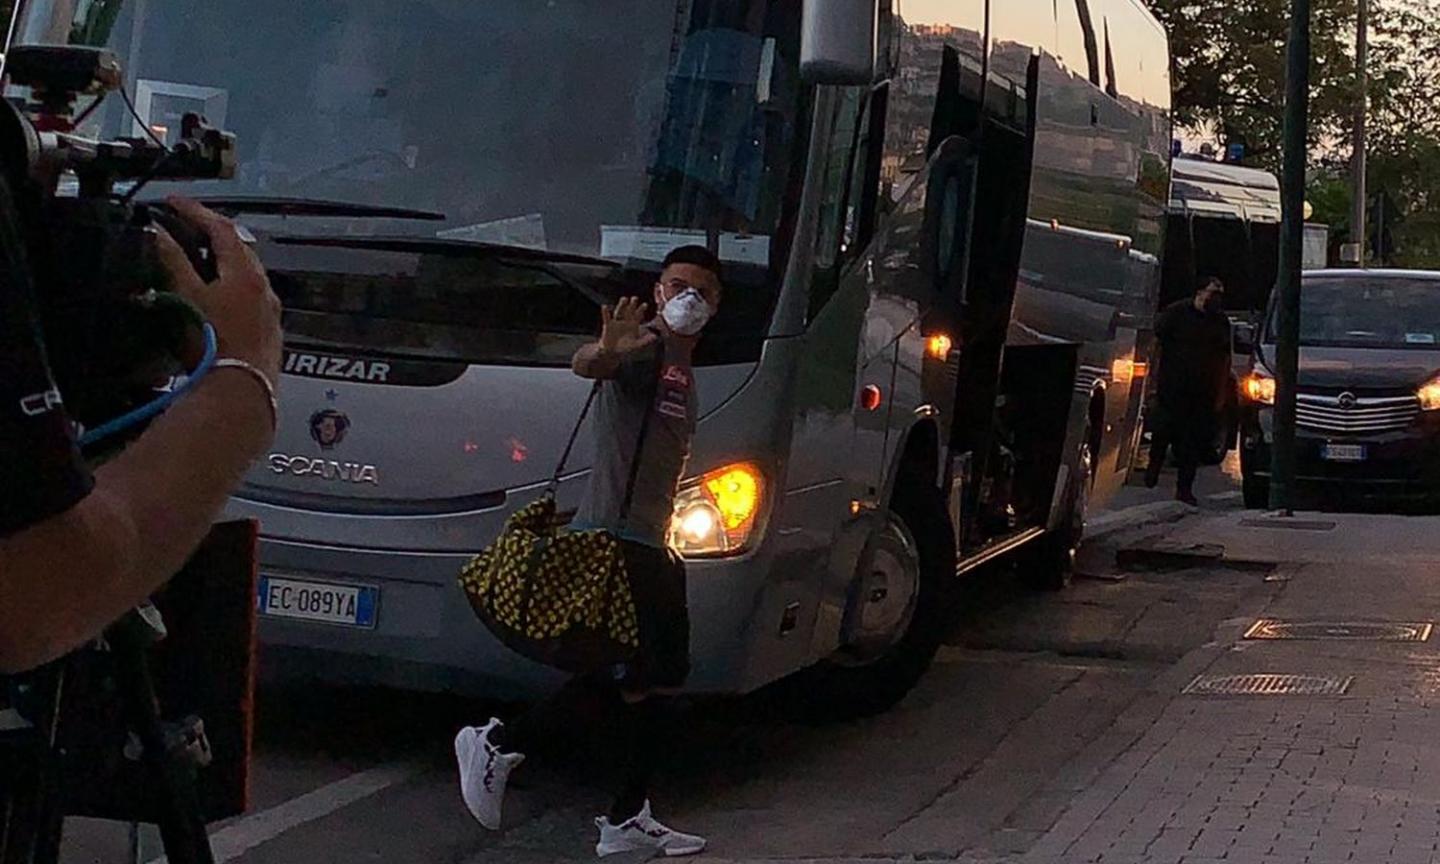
{"type": "Point", "coordinates": [324, 469]}
{"type": "Point", "coordinates": [342, 368]}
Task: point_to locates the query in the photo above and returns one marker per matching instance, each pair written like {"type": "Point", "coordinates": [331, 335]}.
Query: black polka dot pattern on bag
{"type": "Point", "coordinates": [540, 585]}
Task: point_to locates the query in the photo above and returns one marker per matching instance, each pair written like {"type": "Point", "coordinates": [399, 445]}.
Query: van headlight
{"type": "Point", "coordinates": [717, 514]}
{"type": "Point", "coordinates": [1259, 387]}
{"type": "Point", "coordinates": [1429, 394]}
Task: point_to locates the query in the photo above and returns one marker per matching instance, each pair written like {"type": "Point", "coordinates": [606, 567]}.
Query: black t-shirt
{"type": "Point", "coordinates": [41, 473]}
{"type": "Point", "coordinates": [1194, 354]}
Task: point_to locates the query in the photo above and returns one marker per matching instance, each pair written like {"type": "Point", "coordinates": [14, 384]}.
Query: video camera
{"type": "Point", "coordinates": [113, 333]}
{"type": "Point", "coordinates": [85, 735]}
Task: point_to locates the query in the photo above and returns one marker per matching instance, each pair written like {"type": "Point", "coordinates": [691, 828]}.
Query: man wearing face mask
{"type": "Point", "coordinates": [1193, 336]}
{"type": "Point", "coordinates": [645, 364]}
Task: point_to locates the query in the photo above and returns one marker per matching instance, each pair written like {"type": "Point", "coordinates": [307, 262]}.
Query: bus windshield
{"type": "Point", "coordinates": [608, 128]}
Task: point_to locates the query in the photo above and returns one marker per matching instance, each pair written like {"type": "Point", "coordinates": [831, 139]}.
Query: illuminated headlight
{"type": "Point", "coordinates": [1259, 388]}
{"type": "Point", "coordinates": [1429, 395]}
{"type": "Point", "coordinates": [717, 514]}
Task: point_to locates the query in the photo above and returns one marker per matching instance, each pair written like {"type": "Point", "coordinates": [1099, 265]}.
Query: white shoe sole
{"type": "Point", "coordinates": [605, 852]}
{"type": "Point", "coordinates": [681, 853]}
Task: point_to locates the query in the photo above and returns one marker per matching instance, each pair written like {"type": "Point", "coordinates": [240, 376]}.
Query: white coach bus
{"type": "Point", "coordinates": [940, 220]}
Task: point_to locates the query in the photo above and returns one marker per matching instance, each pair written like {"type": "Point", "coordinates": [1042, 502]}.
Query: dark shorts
{"type": "Point", "coordinates": [657, 581]}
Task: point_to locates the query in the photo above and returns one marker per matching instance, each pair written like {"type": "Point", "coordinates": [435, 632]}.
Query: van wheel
{"type": "Point", "coordinates": [1255, 491]}
{"type": "Point", "coordinates": [1048, 564]}
{"type": "Point", "coordinates": [875, 672]}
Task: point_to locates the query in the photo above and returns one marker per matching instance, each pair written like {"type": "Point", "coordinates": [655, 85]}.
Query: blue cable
{"type": "Point", "coordinates": [159, 404]}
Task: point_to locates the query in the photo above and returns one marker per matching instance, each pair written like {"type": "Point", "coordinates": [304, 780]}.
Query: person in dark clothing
{"type": "Point", "coordinates": [1194, 340]}
{"type": "Point", "coordinates": [81, 545]}
{"type": "Point", "coordinates": [645, 364]}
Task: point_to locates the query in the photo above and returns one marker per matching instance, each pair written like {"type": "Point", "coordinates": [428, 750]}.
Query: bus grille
{"type": "Point", "coordinates": [1380, 414]}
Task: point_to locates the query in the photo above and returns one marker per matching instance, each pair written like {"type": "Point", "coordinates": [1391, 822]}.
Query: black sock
{"type": "Point", "coordinates": [562, 708]}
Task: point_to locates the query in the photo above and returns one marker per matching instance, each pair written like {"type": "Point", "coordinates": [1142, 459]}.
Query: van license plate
{"type": "Point", "coordinates": [1343, 452]}
{"type": "Point", "coordinates": [325, 602]}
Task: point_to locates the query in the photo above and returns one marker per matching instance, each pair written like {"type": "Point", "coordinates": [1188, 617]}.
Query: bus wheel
{"type": "Point", "coordinates": [898, 617]}
{"type": "Point", "coordinates": [1049, 563]}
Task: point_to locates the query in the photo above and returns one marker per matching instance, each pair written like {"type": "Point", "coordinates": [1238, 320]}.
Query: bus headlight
{"type": "Point", "coordinates": [717, 514]}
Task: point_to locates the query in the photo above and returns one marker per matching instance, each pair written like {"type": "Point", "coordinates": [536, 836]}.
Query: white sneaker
{"type": "Point", "coordinates": [643, 832]}
{"type": "Point", "coordinates": [483, 772]}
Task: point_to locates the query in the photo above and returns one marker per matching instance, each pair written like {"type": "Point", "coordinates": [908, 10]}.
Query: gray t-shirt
{"type": "Point", "coordinates": [619, 413]}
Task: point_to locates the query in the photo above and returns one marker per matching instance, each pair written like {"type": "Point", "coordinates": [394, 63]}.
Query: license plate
{"type": "Point", "coordinates": [325, 602]}
{"type": "Point", "coordinates": [1343, 452]}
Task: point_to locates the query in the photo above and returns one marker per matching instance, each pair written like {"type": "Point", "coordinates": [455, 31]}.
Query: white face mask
{"type": "Point", "coordinates": [687, 313]}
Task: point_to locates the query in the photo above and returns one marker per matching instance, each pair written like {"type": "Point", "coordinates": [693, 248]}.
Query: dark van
{"type": "Point", "coordinates": [1368, 406]}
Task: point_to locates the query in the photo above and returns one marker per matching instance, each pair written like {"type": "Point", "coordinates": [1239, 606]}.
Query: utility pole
{"type": "Point", "coordinates": [1287, 343]}
{"type": "Point", "coordinates": [1357, 163]}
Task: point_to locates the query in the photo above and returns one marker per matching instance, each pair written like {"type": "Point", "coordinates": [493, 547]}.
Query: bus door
{"type": "Point", "coordinates": [993, 172]}
{"type": "Point", "coordinates": [949, 237]}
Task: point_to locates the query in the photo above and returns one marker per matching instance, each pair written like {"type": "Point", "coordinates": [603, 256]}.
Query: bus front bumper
{"type": "Point", "coordinates": [426, 637]}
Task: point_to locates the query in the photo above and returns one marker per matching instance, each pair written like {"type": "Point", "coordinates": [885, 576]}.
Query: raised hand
{"type": "Point", "coordinates": [623, 329]}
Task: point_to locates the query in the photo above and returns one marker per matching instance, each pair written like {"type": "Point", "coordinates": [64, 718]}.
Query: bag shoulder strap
{"type": "Point", "coordinates": [644, 433]}
{"type": "Point", "coordinates": [570, 445]}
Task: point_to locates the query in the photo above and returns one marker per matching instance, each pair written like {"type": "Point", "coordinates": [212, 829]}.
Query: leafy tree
{"type": "Point", "coordinates": [1230, 85]}
{"type": "Point", "coordinates": [1230, 69]}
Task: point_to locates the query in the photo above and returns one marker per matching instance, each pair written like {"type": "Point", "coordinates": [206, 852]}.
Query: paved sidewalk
{"type": "Point", "coordinates": [1267, 778]}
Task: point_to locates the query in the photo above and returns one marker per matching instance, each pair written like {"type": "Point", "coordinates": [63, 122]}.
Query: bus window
{"type": "Point", "coordinates": [432, 307]}
{"type": "Point", "coordinates": [847, 218]}
{"type": "Point", "coordinates": [861, 201]}
{"type": "Point", "coordinates": [698, 132]}
{"type": "Point", "coordinates": [1017, 24]}
{"type": "Point", "coordinates": [1137, 65]}
{"type": "Point", "coordinates": [1075, 39]}
{"type": "Point", "coordinates": [1153, 66]}
{"type": "Point", "coordinates": [833, 217]}
{"type": "Point", "coordinates": [1111, 89]}
{"type": "Point", "coordinates": [1017, 33]}
{"type": "Point", "coordinates": [924, 30]}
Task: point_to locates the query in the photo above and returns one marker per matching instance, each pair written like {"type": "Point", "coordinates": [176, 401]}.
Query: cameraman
{"type": "Point", "coordinates": [79, 550]}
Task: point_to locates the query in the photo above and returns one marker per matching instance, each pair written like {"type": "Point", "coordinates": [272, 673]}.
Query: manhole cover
{"type": "Point", "coordinates": [1268, 685]}
{"type": "Point", "coordinates": [1359, 631]}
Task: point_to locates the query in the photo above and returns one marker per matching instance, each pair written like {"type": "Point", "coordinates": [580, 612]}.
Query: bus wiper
{"type": "Point", "coordinates": [314, 207]}
{"type": "Point", "coordinates": [446, 246]}
{"type": "Point", "coordinates": [523, 257]}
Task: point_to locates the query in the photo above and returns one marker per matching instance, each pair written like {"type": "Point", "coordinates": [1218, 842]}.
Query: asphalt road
{"type": "Point", "coordinates": [1026, 683]}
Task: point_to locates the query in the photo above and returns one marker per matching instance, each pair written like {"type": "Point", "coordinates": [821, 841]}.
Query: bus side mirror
{"type": "Point", "coordinates": [838, 41]}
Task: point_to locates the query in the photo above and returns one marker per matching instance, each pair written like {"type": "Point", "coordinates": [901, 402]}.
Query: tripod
{"type": "Point", "coordinates": [32, 760]}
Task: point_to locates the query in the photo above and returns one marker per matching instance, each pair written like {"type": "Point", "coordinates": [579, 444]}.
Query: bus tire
{"type": "Point", "coordinates": [834, 690]}
{"type": "Point", "coordinates": [1048, 564]}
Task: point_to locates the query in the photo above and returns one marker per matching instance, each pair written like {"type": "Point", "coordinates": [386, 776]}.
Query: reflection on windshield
{"type": "Point", "coordinates": [422, 299]}
{"type": "Point", "coordinates": [553, 125]}
{"type": "Point", "coordinates": [1376, 313]}
{"type": "Point", "coordinates": [432, 306]}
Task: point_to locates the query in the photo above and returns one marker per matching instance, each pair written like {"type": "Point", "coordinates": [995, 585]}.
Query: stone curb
{"type": "Point", "coordinates": [1126, 518]}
